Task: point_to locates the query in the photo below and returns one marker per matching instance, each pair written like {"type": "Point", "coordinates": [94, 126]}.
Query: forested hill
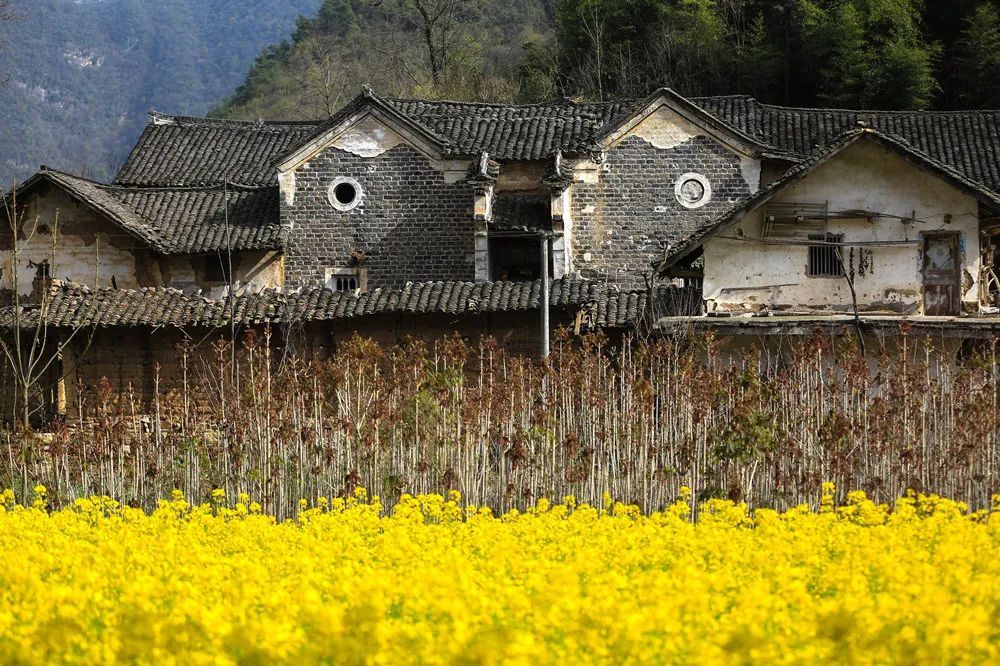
{"type": "Point", "coordinates": [81, 74]}
{"type": "Point", "coordinates": [881, 54]}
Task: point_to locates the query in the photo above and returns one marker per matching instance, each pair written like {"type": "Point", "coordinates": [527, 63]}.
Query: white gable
{"type": "Point", "coordinates": [369, 137]}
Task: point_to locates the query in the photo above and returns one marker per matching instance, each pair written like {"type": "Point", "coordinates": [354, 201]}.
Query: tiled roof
{"type": "Point", "coordinates": [195, 220]}
{"type": "Point", "coordinates": [96, 195]}
{"type": "Point", "coordinates": [619, 309]}
{"type": "Point", "coordinates": [178, 220]}
{"type": "Point", "coordinates": [73, 306]}
{"type": "Point", "coordinates": [512, 132]}
{"type": "Point", "coordinates": [529, 212]}
{"type": "Point", "coordinates": [177, 151]}
{"type": "Point", "coordinates": [968, 141]}
{"type": "Point", "coordinates": [440, 297]}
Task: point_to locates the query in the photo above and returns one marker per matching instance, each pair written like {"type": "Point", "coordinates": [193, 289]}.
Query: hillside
{"type": "Point", "coordinates": [476, 50]}
{"type": "Point", "coordinates": [83, 73]}
{"type": "Point", "coordinates": [878, 54]}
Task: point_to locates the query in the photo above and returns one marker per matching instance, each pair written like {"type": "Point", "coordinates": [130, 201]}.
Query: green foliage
{"type": "Point", "coordinates": [976, 59]}
{"type": "Point", "coordinates": [868, 53]}
{"type": "Point", "coordinates": [475, 52]}
{"type": "Point", "coordinates": [84, 73]}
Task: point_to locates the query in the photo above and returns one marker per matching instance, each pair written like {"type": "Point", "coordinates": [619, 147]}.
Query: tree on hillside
{"type": "Point", "coordinates": [975, 64]}
{"type": "Point", "coordinates": [698, 47]}
{"type": "Point", "coordinates": [443, 29]}
{"type": "Point", "coordinates": [321, 76]}
{"type": "Point", "coordinates": [867, 53]}
{"type": "Point", "coordinates": [849, 53]}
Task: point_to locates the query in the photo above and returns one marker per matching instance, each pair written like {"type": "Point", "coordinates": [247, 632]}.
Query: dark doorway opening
{"type": "Point", "coordinates": [516, 258]}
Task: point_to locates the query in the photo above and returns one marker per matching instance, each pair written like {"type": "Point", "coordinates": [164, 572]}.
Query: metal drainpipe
{"type": "Point", "coordinates": [545, 296]}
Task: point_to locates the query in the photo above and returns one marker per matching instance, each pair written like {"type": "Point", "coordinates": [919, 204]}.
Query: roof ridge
{"type": "Point", "coordinates": [157, 118]}
{"type": "Point", "coordinates": [733, 96]}
{"type": "Point", "coordinates": [508, 105]}
{"type": "Point", "coordinates": [923, 112]}
{"type": "Point", "coordinates": [220, 187]}
{"type": "Point", "coordinates": [46, 169]}
{"type": "Point", "coordinates": [70, 285]}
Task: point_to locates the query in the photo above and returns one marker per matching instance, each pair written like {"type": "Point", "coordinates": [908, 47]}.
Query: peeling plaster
{"type": "Point", "coordinates": [587, 171]}
{"type": "Point", "coordinates": [665, 129]}
{"type": "Point", "coordinates": [864, 177]}
{"type": "Point", "coordinates": [750, 169]}
{"type": "Point", "coordinates": [89, 250]}
{"type": "Point", "coordinates": [367, 138]}
{"type": "Point", "coordinates": [286, 183]}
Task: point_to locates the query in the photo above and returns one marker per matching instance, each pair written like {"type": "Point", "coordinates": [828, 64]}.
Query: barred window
{"type": "Point", "coordinates": [826, 260]}
{"type": "Point", "coordinates": [345, 279]}
{"type": "Point", "coordinates": [344, 283]}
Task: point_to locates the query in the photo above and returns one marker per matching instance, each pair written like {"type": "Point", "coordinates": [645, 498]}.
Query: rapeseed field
{"type": "Point", "coordinates": [437, 582]}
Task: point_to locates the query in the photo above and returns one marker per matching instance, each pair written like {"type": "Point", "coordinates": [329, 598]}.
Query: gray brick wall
{"type": "Point", "coordinates": [635, 211]}
{"type": "Point", "coordinates": [411, 225]}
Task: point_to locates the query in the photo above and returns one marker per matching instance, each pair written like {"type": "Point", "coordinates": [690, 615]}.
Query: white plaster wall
{"type": "Point", "coordinates": [88, 249]}
{"type": "Point", "coordinates": [368, 138]}
{"type": "Point", "coordinates": [745, 275]}
{"type": "Point", "coordinates": [665, 129]}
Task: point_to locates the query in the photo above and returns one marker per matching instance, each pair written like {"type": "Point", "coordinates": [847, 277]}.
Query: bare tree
{"type": "Point", "coordinates": [593, 21]}
{"type": "Point", "coordinates": [321, 76]}
{"type": "Point", "coordinates": [33, 347]}
{"type": "Point", "coordinates": [439, 22]}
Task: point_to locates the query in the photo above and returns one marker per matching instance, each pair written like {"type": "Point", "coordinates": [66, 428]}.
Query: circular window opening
{"type": "Point", "coordinates": [345, 193]}
{"type": "Point", "coordinates": [692, 190]}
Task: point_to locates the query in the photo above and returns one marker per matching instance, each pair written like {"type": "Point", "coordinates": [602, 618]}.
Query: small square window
{"type": "Point", "coordinates": [344, 279]}
{"type": "Point", "coordinates": [826, 260]}
{"type": "Point", "coordinates": [344, 282]}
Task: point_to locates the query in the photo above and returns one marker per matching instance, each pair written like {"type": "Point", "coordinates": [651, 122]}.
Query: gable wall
{"type": "Point", "coordinates": [747, 276]}
{"type": "Point", "coordinates": [90, 250]}
{"type": "Point", "coordinates": [624, 212]}
{"type": "Point", "coordinates": [412, 224]}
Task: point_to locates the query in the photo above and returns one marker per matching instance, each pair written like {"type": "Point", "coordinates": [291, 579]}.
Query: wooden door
{"type": "Point", "coordinates": [941, 270]}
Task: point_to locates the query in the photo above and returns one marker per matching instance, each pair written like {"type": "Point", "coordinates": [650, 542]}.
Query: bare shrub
{"type": "Point", "coordinates": [637, 421]}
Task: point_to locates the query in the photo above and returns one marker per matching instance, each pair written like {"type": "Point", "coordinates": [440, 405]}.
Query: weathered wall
{"type": "Point", "coordinates": [137, 362]}
{"type": "Point", "coordinates": [743, 275]}
{"type": "Point", "coordinates": [89, 249]}
{"type": "Point", "coordinates": [881, 344]}
{"type": "Point", "coordinates": [413, 223]}
{"type": "Point", "coordinates": [256, 269]}
{"type": "Point", "coordinates": [625, 210]}
{"type": "Point", "coordinates": [517, 332]}
{"type": "Point", "coordinates": [520, 176]}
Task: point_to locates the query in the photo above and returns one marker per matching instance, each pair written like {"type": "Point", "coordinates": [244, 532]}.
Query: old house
{"type": "Point", "coordinates": [404, 217]}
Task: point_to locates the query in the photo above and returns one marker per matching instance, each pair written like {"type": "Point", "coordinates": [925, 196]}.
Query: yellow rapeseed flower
{"type": "Point", "coordinates": [434, 582]}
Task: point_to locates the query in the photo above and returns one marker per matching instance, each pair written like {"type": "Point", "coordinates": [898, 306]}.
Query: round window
{"type": "Point", "coordinates": [344, 193]}
{"type": "Point", "coordinates": [692, 190]}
